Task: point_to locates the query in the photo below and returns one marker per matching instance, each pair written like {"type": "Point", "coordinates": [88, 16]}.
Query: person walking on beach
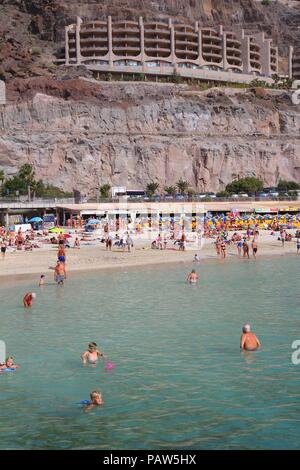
{"type": "Point", "coordinates": [254, 247]}
{"type": "Point", "coordinates": [249, 340]}
{"type": "Point", "coordinates": [245, 249]}
{"type": "Point", "coordinates": [298, 245]}
{"type": "Point", "coordinates": [28, 299]}
{"type": "Point", "coordinates": [129, 242]}
{"type": "Point", "coordinates": [223, 249]}
{"type": "Point", "coordinates": [3, 248]}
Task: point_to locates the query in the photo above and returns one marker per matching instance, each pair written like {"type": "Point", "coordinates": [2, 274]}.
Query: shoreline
{"type": "Point", "coordinates": [19, 266]}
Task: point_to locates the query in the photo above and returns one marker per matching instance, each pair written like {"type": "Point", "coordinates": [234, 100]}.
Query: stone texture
{"type": "Point", "coordinates": [133, 133]}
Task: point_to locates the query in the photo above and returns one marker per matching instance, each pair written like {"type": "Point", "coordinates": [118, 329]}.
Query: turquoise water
{"type": "Point", "coordinates": [180, 381]}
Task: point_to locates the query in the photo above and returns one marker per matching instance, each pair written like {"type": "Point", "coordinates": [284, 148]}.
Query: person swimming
{"type": "Point", "coordinates": [42, 280]}
{"type": "Point", "coordinates": [96, 400]}
{"type": "Point", "coordinates": [28, 299]}
{"type": "Point", "coordinates": [192, 277]}
{"type": "Point", "coordinates": [249, 340]}
{"type": "Point", "coordinates": [9, 364]}
{"type": "Point", "coordinates": [92, 354]}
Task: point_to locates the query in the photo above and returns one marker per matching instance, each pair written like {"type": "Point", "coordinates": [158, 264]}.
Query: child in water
{"type": "Point", "coordinates": [42, 280]}
{"type": "Point", "coordinates": [96, 400]}
{"type": "Point", "coordinates": [92, 354]}
{"type": "Point", "coordinates": [9, 364]}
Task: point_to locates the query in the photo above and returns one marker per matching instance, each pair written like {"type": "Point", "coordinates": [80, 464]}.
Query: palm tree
{"type": "Point", "coordinates": [170, 190]}
{"type": "Point", "coordinates": [182, 186]}
{"type": "Point", "coordinates": [151, 188]}
{"type": "Point", "coordinates": [2, 179]}
{"type": "Point", "coordinates": [104, 191]}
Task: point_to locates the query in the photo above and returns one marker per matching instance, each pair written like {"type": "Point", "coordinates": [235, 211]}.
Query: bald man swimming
{"type": "Point", "coordinates": [249, 340]}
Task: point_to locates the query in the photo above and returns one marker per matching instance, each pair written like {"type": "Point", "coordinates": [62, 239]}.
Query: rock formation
{"type": "Point", "coordinates": [79, 134]}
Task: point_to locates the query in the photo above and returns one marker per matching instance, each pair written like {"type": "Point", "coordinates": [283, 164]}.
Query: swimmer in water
{"type": "Point", "coordinates": [96, 400]}
{"type": "Point", "coordinates": [28, 299]}
{"type": "Point", "coordinates": [192, 277]}
{"type": "Point", "coordinates": [9, 364]}
{"type": "Point", "coordinates": [42, 280]}
{"type": "Point", "coordinates": [249, 341]}
{"type": "Point", "coordinates": [92, 354]}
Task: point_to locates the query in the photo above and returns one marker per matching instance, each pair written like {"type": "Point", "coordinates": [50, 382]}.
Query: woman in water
{"type": "Point", "coordinates": [92, 354]}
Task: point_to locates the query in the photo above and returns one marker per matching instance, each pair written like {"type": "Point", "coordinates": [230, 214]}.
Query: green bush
{"type": "Point", "coordinates": [36, 51]}
{"type": "Point", "coordinates": [248, 185]}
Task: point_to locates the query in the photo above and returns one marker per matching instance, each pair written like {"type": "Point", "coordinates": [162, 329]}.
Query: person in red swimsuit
{"type": "Point", "coordinates": [28, 299]}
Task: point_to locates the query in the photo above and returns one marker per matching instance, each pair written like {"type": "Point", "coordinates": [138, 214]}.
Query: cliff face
{"type": "Point", "coordinates": [82, 134]}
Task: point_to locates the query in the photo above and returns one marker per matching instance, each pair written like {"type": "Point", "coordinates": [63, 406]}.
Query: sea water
{"type": "Point", "coordinates": [180, 380]}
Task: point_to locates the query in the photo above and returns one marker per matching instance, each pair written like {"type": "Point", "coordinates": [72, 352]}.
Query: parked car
{"type": "Point", "coordinates": [212, 195]}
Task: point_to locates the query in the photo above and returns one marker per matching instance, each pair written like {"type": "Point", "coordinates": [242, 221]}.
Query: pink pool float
{"type": "Point", "coordinates": [109, 366]}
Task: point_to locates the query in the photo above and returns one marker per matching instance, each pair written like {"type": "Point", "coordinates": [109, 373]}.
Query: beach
{"type": "Point", "coordinates": [94, 256]}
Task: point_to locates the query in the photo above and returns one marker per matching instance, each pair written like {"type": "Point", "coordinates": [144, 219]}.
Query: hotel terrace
{"type": "Point", "coordinates": [164, 48]}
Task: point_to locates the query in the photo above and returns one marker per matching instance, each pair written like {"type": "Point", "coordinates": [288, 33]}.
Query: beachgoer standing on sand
{"type": "Point", "coordinates": [28, 299]}
{"type": "Point", "coordinates": [77, 243]}
{"type": "Point", "coordinates": [223, 249]}
{"type": "Point", "coordinates": [239, 247]}
{"type": "Point", "coordinates": [192, 277]}
{"type": "Point", "coordinates": [245, 249]}
{"type": "Point", "coordinates": [129, 242]}
{"type": "Point", "coordinates": [249, 341]}
{"type": "Point", "coordinates": [3, 248]}
{"type": "Point", "coordinates": [109, 241]}
{"type": "Point", "coordinates": [61, 254]}
{"type": "Point", "coordinates": [254, 247]}
{"type": "Point", "coordinates": [60, 274]}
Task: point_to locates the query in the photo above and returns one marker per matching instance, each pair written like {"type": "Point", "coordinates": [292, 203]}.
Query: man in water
{"type": "Point", "coordinates": [192, 277]}
{"type": "Point", "coordinates": [60, 274]}
{"type": "Point", "coordinates": [249, 341]}
{"type": "Point", "coordinates": [28, 299]}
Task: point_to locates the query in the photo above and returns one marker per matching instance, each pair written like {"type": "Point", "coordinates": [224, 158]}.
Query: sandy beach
{"type": "Point", "coordinates": [95, 257]}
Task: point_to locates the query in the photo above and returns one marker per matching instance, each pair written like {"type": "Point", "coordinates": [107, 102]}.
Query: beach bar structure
{"type": "Point", "coordinates": [163, 48]}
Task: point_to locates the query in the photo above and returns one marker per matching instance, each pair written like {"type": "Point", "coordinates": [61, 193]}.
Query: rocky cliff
{"type": "Point", "coordinates": [79, 134]}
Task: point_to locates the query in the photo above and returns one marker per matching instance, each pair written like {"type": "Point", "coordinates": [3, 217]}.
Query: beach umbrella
{"type": "Point", "coordinates": [35, 220]}
{"type": "Point", "coordinates": [94, 221]}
